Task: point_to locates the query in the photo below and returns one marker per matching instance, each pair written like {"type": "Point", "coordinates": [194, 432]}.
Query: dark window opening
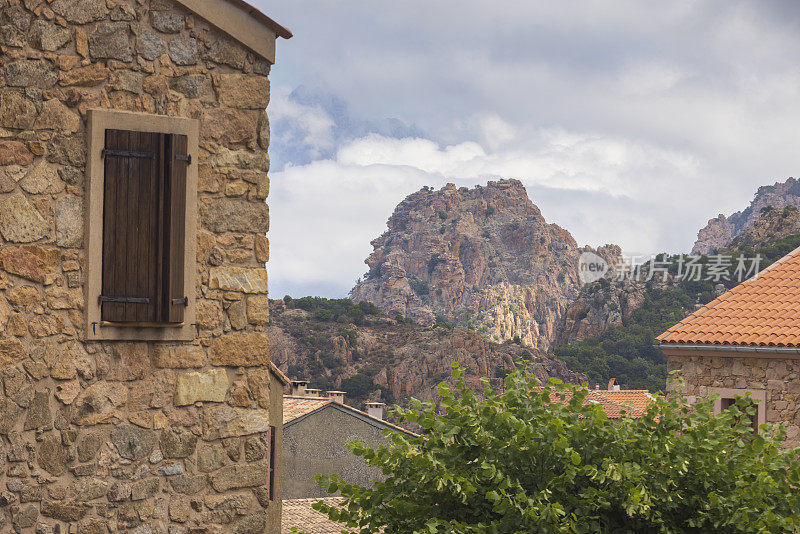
{"type": "Point", "coordinates": [727, 403]}
{"type": "Point", "coordinates": [144, 234]}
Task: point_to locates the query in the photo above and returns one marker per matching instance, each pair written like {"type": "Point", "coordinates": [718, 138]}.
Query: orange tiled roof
{"type": "Point", "coordinates": [763, 311]}
{"type": "Point", "coordinates": [616, 404]}
{"type": "Point", "coordinates": [298, 513]}
{"type": "Point", "coordinates": [294, 407]}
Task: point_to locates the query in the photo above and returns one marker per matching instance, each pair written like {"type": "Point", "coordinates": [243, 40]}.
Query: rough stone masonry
{"type": "Point", "coordinates": [133, 436]}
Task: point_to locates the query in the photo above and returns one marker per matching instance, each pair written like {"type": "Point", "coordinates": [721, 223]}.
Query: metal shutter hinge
{"type": "Point", "coordinates": [184, 301]}
{"type": "Point", "coordinates": [124, 300]}
{"type": "Point", "coordinates": [109, 153]}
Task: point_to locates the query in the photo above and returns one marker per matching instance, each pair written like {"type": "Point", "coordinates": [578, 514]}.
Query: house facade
{"type": "Point", "coordinates": [746, 340]}
{"type": "Point", "coordinates": [316, 431]}
{"type": "Point", "coordinates": [137, 390]}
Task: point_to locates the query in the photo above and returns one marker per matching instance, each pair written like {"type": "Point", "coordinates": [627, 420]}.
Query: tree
{"type": "Point", "coordinates": [536, 459]}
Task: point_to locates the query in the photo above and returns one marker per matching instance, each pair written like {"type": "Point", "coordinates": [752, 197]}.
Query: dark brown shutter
{"type": "Point", "coordinates": [178, 159]}
{"type": "Point", "coordinates": [131, 222]}
{"type": "Point", "coordinates": [144, 222]}
{"type": "Point", "coordinates": [271, 455]}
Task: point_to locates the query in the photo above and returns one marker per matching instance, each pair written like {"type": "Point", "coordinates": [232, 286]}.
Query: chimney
{"type": "Point", "coordinates": [375, 409]}
{"type": "Point", "coordinates": [299, 387]}
{"type": "Point", "coordinates": [613, 385]}
{"type": "Point", "coordinates": [313, 392]}
{"type": "Point", "coordinates": [336, 396]}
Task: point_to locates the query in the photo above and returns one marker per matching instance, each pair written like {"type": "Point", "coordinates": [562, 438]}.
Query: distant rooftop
{"type": "Point", "coordinates": [298, 513]}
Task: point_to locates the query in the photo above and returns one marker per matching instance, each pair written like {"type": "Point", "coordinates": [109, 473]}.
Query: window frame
{"type": "Point", "coordinates": [757, 394]}
{"type": "Point", "coordinates": [99, 120]}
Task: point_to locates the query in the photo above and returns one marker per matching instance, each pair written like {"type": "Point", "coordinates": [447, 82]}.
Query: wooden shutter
{"type": "Point", "coordinates": [177, 157]}
{"type": "Point", "coordinates": [271, 455]}
{"type": "Point", "coordinates": [144, 227]}
{"type": "Point", "coordinates": [131, 222]}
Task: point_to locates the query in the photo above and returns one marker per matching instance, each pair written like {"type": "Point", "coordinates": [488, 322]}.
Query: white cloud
{"type": "Point", "coordinates": [630, 122]}
{"type": "Point", "coordinates": [326, 213]}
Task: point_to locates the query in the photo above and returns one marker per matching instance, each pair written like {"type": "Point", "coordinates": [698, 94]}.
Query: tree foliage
{"type": "Point", "coordinates": [518, 462]}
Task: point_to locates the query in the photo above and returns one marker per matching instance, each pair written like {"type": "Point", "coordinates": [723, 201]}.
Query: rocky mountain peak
{"type": "Point", "coordinates": [483, 257]}
{"type": "Point", "coordinates": [721, 230]}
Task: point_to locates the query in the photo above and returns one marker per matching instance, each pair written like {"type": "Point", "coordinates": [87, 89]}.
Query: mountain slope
{"type": "Point", "coordinates": [381, 358]}
{"type": "Point", "coordinates": [483, 258]}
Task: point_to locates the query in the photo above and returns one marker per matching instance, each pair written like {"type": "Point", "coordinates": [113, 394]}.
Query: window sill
{"type": "Point", "coordinates": [108, 331]}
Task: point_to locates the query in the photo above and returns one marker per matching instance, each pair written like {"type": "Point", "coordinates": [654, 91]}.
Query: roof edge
{"type": "Point", "coordinates": [242, 22]}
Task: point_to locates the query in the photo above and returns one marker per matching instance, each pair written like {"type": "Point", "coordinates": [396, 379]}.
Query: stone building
{"type": "Point", "coordinates": [316, 431]}
{"type": "Point", "coordinates": [746, 340]}
{"type": "Point", "coordinates": [137, 391]}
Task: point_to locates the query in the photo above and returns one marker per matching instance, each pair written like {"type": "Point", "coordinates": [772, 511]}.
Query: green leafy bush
{"type": "Point", "coordinates": [518, 462]}
{"type": "Point", "coordinates": [344, 310]}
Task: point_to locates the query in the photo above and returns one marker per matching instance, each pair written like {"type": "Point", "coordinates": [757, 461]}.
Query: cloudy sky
{"type": "Point", "coordinates": [629, 122]}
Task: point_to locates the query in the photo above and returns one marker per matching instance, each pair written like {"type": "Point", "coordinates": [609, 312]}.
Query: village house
{"type": "Point", "coordinates": [746, 340]}
{"type": "Point", "coordinates": [137, 389]}
{"type": "Point", "coordinates": [316, 431]}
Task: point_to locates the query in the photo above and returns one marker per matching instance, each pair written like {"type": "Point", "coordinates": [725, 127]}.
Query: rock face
{"type": "Point", "coordinates": [721, 230]}
{"type": "Point", "coordinates": [113, 436]}
{"type": "Point", "coordinates": [483, 258]}
{"type": "Point", "coordinates": [608, 304]}
{"type": "Point", "coordinates": [392, 360]}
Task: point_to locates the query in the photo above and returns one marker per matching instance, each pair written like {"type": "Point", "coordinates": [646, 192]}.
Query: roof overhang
{"type": "Point", "coordinates": [730, 351]}
{"type": "Point", "coordinates": [279, 374]}
{"type": "Point", "coordinates": [242, 22]}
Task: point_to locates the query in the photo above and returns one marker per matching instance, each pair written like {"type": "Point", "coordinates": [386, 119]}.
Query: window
{"type": "Point", "coordinates": [271, 453]}
{"type": "Point", "coordinates": [142, 189]}
{"type": "Point", "coordinates": [143, 227]}
{"type": "Point", "coordinates": [727, 398]}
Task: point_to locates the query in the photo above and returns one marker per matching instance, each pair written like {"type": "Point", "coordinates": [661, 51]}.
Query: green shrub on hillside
{"type": "Point", "coordinates": [342, 310]}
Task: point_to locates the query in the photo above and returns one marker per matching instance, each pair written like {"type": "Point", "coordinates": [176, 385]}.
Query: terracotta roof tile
{"type": "Point", "coordinates": [298, 513]}
{"type": "Point", "coordinates": [762, 311]}
{"type": "Point", "coordinates": [616, 404]}
{"type": "Point", "coordinates": [294, 407]}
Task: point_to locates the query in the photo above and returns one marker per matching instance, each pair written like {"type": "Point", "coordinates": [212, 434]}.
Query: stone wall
{"type": "Point", "coordinates": [318, 444]}
{"type": "Point", "coordinates": [151, 437]}
{"type": "Point", "coordinates": [779, 377]}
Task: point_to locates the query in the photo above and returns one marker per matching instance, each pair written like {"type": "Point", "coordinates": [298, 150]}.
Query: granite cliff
{"type": "Point", "coordinates": [392, 360]}
{"type": "Point", "coordinates": [484, 258]}
{"type": "Point", "coordinates": [721, 230]}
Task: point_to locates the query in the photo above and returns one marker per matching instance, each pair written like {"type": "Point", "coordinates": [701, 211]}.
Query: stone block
{"type": "Point", "coordinates": [176, 446]}
{"type": "Point", "coordinates": [195, 386]}
{"type": "Point", "coordinates": [239, 279]}
{"type": "Point", "coordinates": [80, 11]}
{"type": "Point", "coordinates": [52, 456]}
{"type": "Point", "coordinates": [111, 41]}
{"type": "Point", "coordinates": [56, 116]}
{"type": "Point", "coordinates": [133, 443]}
{"type": "Point", "coordinates": [239, 476]}
{"type": "Point", "coordinates": [179, 356]}
{"type": "Point", "coordinates": [226, 421]}
{"type": "Point", "coordinates": [144, 489]}
{"type": "Point", "coordinates": [11, 351]}
{"type": "Point", "coordinates": [69, 222]}
{"type": "Point", "coordinates": [16, 111]}
{"type": "Point", "coordinates": [20, 222]}
{"type": "Point", "coordinates": [258, 309]}
{"type": "Point", "coordinates": [64, 511]}
{"type": "Point", "coordinates": [241, 349]}
{"type": "Point", "coordinates": [235, 215]}
{"type": "Point", "coordinates": [243, 90]}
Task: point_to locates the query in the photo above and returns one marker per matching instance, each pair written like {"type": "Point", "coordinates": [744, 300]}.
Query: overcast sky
{"type": "Point", "coordinates": [629, 122]}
